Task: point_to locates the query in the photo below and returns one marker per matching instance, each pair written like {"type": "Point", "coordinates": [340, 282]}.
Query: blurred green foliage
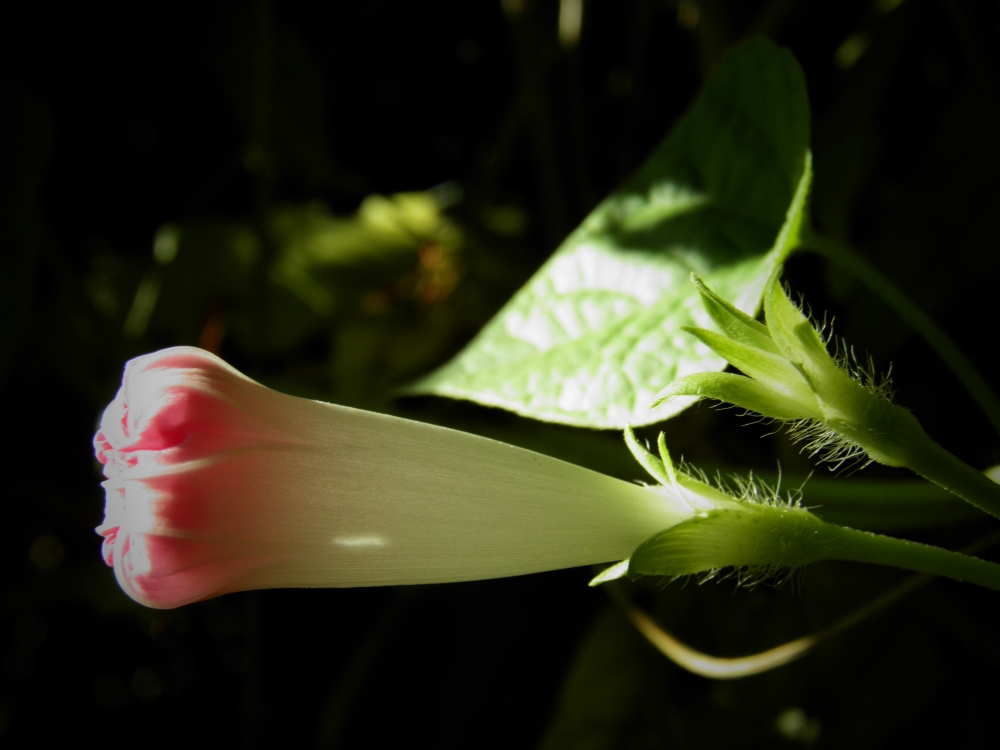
{"type": "Point", "coordinates": [337, 197]}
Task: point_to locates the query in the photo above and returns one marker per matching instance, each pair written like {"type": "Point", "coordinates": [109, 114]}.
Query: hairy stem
{"type": "Point", "coordinates": [865, 547]}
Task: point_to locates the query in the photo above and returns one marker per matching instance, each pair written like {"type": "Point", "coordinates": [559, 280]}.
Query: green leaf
{"type": "Point", "coordinates": [713, 495]}
{"type": "Point", "coordinates": [595, 334]}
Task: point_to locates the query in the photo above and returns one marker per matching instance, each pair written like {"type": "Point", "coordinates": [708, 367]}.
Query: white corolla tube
{"type": "Point", "coordinates": [216, 483]}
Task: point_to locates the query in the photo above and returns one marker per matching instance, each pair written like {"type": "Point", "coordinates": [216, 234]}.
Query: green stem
{"type": "Point", "coordinates": [864, 547]}
{"type": "Point", "coordinates": [931, 461]}
{"type": "Point", "coordinates": [892, 436]}
{"type": "Point", "coordinates": [898, 592]}
{"type": "Point", "coordinates": [768, 537]}
{"type": "Point", "coordinates": [964, 370]}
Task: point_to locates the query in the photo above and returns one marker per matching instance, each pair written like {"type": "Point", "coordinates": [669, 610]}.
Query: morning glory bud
{"type": "Point", "coordinates": [788, 375]}
{"type": "Point", "coordinates": [216, 483]}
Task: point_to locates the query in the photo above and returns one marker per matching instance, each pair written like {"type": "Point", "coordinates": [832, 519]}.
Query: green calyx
{"type": "Point", "coordinates": [758, 529]}
{"type": "Point", "coordinates": [789, 375]}
{"type": "Point", "coordinates": [697, 493]}
{"type": "Point", "coordinates": [723, 531]}
{"type": "Point", "coordinates": [675, 483]}
{"type": "Point", "coordinates": [755, 537]}
{"type": "Point", "coordinates": [759, 533]}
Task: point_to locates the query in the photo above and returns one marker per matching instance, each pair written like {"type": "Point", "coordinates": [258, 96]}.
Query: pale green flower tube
{"type": "Point", "coordinates": [217, 484]}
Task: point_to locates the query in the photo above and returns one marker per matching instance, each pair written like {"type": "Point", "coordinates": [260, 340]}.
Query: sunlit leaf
{"type": "Point", "coordinates": [595, 334]}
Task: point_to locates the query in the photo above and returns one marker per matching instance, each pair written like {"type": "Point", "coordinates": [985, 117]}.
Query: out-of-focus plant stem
{"type": "Point", "coordinates": [258, 158]}
{"type": "Point", "coordinates": [922, 323]}
{"type": "Point", "coordinates": [534, 63]}
{"type": "Point", "coordinates": [721, 668]}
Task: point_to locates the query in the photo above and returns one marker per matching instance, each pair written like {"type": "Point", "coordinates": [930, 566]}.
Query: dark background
{"type": "Point", "coordinates": [117, 120]}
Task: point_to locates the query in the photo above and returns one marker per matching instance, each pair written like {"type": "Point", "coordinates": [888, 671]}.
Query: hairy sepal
{"type": "Point", "coordinates": [751, 536]}
{"type": "Point", "coordinates": [653, 465]}
{"type": "Point", "coordinates": [802, 345]}
{"type": "Point", "coordinates": [612, 573]}
{"type": "Point", "coordinates": [773, 371]}
{"type": "Point", "coordinates": [733, 322]}
{"type": "Point", "coordinates": [738, 390]}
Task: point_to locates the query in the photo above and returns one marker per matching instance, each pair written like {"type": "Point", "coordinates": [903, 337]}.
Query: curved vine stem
{"type": "Point", "coordinates": [933, 334]}
{"type": "Point", "coordinates": [721, 668]}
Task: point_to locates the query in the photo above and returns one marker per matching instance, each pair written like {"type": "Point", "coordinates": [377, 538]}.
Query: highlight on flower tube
{"type": "Point", "coordinates": [216, 483]}
{"type": "Point", "coordinates": [841, 412]}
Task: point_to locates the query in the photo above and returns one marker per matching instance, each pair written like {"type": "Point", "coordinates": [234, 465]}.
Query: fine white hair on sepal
{"type": "Point", "coordinates": [751, 576]}
{"type": "Point", "coordinates": [827, 445]}
{"type": "Point", "coordinates": [744, 576]}
{"type": "Point", "coordinates": [861, 370]}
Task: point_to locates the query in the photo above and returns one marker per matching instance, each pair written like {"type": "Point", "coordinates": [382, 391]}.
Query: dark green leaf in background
{"type": "Point", "coordinates": [600, 700]}
{"type": "Point", "coordinates": [595, 334]}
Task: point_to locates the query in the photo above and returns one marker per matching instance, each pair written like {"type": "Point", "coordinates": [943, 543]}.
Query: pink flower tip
{"type": "Point", "coordinates": [174, 443]}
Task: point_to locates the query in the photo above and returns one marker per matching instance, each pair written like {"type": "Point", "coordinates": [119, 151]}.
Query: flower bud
{"type": "Point", "coordinates": [790, 376]}
{"type": "Point", "coordinates": [216, 483]}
